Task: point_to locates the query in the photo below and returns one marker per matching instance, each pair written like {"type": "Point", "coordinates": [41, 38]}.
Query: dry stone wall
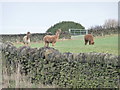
{"type": "Point", "coordinates": [103, 32]}
{"type": "Point", "coordinates": [51, 67]}
{"type": "Point", "coordinates": [35, 37]}
{"type": "Point", "coordinates": [19, 37]}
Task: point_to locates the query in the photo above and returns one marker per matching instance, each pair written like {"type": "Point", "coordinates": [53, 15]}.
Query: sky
{"type": "Point", "coordinates": [37, 17]}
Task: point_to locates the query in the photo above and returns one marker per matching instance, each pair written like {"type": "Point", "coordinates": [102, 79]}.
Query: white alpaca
{"type": "Point", "coordinates": [26, 39]}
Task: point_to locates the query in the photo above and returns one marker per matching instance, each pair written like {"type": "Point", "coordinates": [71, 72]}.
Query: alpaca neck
{"type": "Point", "coordinates": [28, 36]}
{"type": "Point", "coordinates": [57, 35]}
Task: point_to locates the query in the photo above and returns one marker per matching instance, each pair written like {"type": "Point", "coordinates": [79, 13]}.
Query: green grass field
{"type": "Point", "coordinates": [106, 44]}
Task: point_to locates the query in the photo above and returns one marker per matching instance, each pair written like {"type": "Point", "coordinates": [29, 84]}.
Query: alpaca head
{"type": "Point", "coordinates": [92, 42]}
{"type": "Point", "coordinates": [28, 35]}
{"type": "Point", "coordinates": [58, 32]}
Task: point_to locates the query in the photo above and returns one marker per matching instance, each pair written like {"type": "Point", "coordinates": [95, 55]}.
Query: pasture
{"type": "Point", "coordinates": [103, 44]}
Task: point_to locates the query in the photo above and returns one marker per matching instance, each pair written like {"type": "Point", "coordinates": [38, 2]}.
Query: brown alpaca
{"type": "Point", "coordinates": [26, 39]}
{"type": "Point", "coordinates": [52, 38]}
{"type": "Point", "coordinates": [89, 38]}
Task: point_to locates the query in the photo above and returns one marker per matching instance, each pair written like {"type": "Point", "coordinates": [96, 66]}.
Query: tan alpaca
{"type": "Point", "coordinates": [52, 38]}
{"type": "Point", "coordinates": [26, 39]}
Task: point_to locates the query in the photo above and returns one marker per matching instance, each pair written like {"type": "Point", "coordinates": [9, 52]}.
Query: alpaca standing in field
{"type": "Point", "coordinates": [52, 38]}
{"type": "Point", "coordinates": [89, 38]}
{"type": "Point", "coordinates": [26, 39]}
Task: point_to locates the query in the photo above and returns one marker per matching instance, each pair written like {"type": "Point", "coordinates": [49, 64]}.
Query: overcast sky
{"type": "Point", "coordinates": [37, 17]}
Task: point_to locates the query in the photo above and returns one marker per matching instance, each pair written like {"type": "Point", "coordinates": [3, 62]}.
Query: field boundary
{"type": "Point", "coordinates": [51, 67]}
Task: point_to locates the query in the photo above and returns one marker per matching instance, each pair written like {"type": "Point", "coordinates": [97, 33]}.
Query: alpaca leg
{"type": "Point", "coordinates": [44, 44]}
{"type": "Point", "coordinates": [47, 44]}
{"type": "Point", "coordinates": [86, 41]}
{"type": "Point", "coordinates": [27, 44]}
{"type": "Point", "coordinates": [89, 42]}
{"type": "Point", "coordinates": [24, 43]}
{"type": "Point", "coordinates": [53, 44]}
